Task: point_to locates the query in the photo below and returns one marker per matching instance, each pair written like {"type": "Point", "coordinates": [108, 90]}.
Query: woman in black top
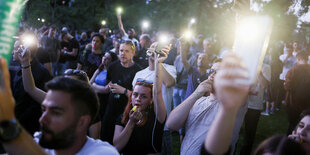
{"type": "Point", "coordinates": [139, 129]}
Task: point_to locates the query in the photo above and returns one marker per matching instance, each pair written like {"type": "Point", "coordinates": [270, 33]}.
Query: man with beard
{"type": "Point", "coordinates": [196, 114]}
{"type": "Point", "coordinates": [67, 111]}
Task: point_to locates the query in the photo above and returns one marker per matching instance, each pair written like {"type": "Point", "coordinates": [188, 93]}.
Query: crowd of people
{"type": "Point", "coordinates": [118, 93]}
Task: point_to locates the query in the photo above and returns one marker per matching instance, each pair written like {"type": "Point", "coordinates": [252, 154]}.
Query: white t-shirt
{"type": "Point", "coordinates": [148, 74]}
{"type": "Point", "coordinates": [91, 147]}
{"type": "Point", "coordinates": [199, 121]}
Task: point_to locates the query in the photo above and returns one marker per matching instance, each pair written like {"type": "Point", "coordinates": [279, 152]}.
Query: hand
{"type": "Point", "coordinates": [24, 60]}
{"type": "Point", "coordinates": [135, 116]}
{"type": "Point", "coordinates": [294, 136]}
{"type": "Point", "coordinates": [204, 87]}
{"type": "Point", "coordinates": [115, 88]}
{"type": "Point", "coordinates": [231, 93]}
{"type": "Point", "coordinates": [6, 99]}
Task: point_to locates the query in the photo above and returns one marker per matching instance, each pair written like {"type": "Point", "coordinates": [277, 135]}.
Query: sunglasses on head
{"type": "Point", "coordinates": [143, 81]}
{"type": "Point", "coordinates": [74, 72]}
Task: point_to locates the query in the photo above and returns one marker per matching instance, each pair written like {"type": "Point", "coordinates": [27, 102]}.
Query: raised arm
{"type": "Point", "coordinates": [232, 96]}
{"type": "Point", "coordinates": [23, 143]}
{"type": "Point", "coordinates": [120, 24]}
{"type": "Point", "coordinates": [178, 116]}
{"type": "Point", "coordinates": [183, 49]}
{"type": "Point", "coordinates": [159, 105]}
{"type": "Point", "coordinates": [28, 80]}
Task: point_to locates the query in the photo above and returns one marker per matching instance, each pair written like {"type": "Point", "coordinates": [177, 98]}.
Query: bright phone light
{"type": "Point", "coordinates": [251, 42]}
{"type": "Point", "coordinates": [193, 20]}
{"type": "Point", "coordinates": [188, 34]}
{"type": "Point", "coordinates": [145, 24]}
{"type": "Point", "coordinates": [249, 29]}
{"type": "Point", "coordinates": [163, 38]}
{"type": "Point", "coordinates": [43, 20]}
{"type": "Point", "coordinates": [28, 40]}
{"type": "Point", "coordinates": [103, 22]}
{"type": "Point", "coordinates": [39, 19]}
{"type": "Point", "coordinates": [119, 10]}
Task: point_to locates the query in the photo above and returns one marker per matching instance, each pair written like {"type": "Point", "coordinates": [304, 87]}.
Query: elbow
{"type": "Point", "coordinates": [170, 83]}
{"type": "Point", "coordinates": [171, 125]}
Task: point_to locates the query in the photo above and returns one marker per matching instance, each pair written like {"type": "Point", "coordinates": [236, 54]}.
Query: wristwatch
{"type": "Point", "coordinates": [9, 130]}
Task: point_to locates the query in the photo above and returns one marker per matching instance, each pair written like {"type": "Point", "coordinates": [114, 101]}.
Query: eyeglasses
{"type": "Point", "coordinates": [143, 81]}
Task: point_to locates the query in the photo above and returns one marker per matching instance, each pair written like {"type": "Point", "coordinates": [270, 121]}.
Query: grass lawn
{"type": "Point", "coordinates": [267, 126]}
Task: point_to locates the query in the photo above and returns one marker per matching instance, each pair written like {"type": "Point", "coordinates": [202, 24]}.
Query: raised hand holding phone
{"type": "Point", "coordinates": [251, 39]}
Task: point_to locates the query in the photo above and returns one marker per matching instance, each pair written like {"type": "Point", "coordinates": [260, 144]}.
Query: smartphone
{"type": "Point", "coordinates": [162, 43]}
{"type": "Point", "coordinates": [251, 42]}
{"type": "Point", "coordinates": [24, 50]}
{"type": "Point", "coordinates": [159, 47]}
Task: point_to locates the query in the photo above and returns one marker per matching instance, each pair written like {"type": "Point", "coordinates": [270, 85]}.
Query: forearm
{"type": "Point", "coordinates": [101, 89]}
{"type": "Point", "coordinates": [79, 66]}
{"type": "Point", "coordinates": [24, 144]}
{"type": "Point", "coordinates": [29, 86]}
{"type": "Point", "coordinates": [178, 116]}
{"type": "Point", "coordinates": [159, 105]}
{"type": "Point", "coordinates": [218, 138]}
{"type": "Point", "coordinates": [121, 140]}
{"type": "Point", "coordinates": [120, 25]}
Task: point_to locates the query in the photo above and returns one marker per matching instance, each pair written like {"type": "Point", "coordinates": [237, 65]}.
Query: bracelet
{"type": "Point", "coordinates": [125, 91]}
{"type": "Point", "coordinates": [25, 67]}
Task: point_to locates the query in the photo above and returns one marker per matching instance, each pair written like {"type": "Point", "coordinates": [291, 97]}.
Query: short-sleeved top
{"type": "Point", "coordinates": [90, 62]}
{"type": "Point", "coordinates": [49, 53]}
{"type": "Point", "coordinates": [122, 76]}
{"type": "Point", "coordinates": [194, 79]}
{"type": "Point", "coordinates": [148, 74]}
{"type": "Point", "coordinates": [91, 147]}
{"type": "Point", "coordinates": [141, 58]}
{"type": "Point", "coordinates": [101, 78]}
{"type": "Point", "coordinates": [290, 62]}
{"type": "Point", "coordinates": [73, 43]}
{"type": "Point", "coordinates": [140, 141]}
{"type": "Point", "coordinates": [198, 123]}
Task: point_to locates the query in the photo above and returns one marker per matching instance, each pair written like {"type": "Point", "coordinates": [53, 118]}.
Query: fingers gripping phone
{"type": "Point", "coordinates": [251, 42]}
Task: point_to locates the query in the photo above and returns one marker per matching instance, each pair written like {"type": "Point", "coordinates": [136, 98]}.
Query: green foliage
{"type": "Point", "coordinates": [173, 15]}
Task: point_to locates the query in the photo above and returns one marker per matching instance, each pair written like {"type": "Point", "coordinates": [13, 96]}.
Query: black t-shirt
{"type": "Point", "coordinates": [141, 58]}
{"type": "Point", "coordinates": [117, 102]}
{"type": "Point", "coordinates": [140, 141]}
{"type": "Point", "coordinates": [123, 77]}
{"type": "Point", "coordinates": [90, 62]}
{"type": "Point", "coordinates": [73, 43]}
{"type": "Point", "coordinates": [49, 50]}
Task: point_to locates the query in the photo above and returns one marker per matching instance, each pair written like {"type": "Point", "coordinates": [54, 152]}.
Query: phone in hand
{"type": "Point", "coordinates": [162, 43]}
{"type": "Point", "coordinates": [251, 42]}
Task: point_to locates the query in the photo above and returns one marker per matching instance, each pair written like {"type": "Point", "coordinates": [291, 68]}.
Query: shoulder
{"type": "Point", "coordinates": [98, 147]}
